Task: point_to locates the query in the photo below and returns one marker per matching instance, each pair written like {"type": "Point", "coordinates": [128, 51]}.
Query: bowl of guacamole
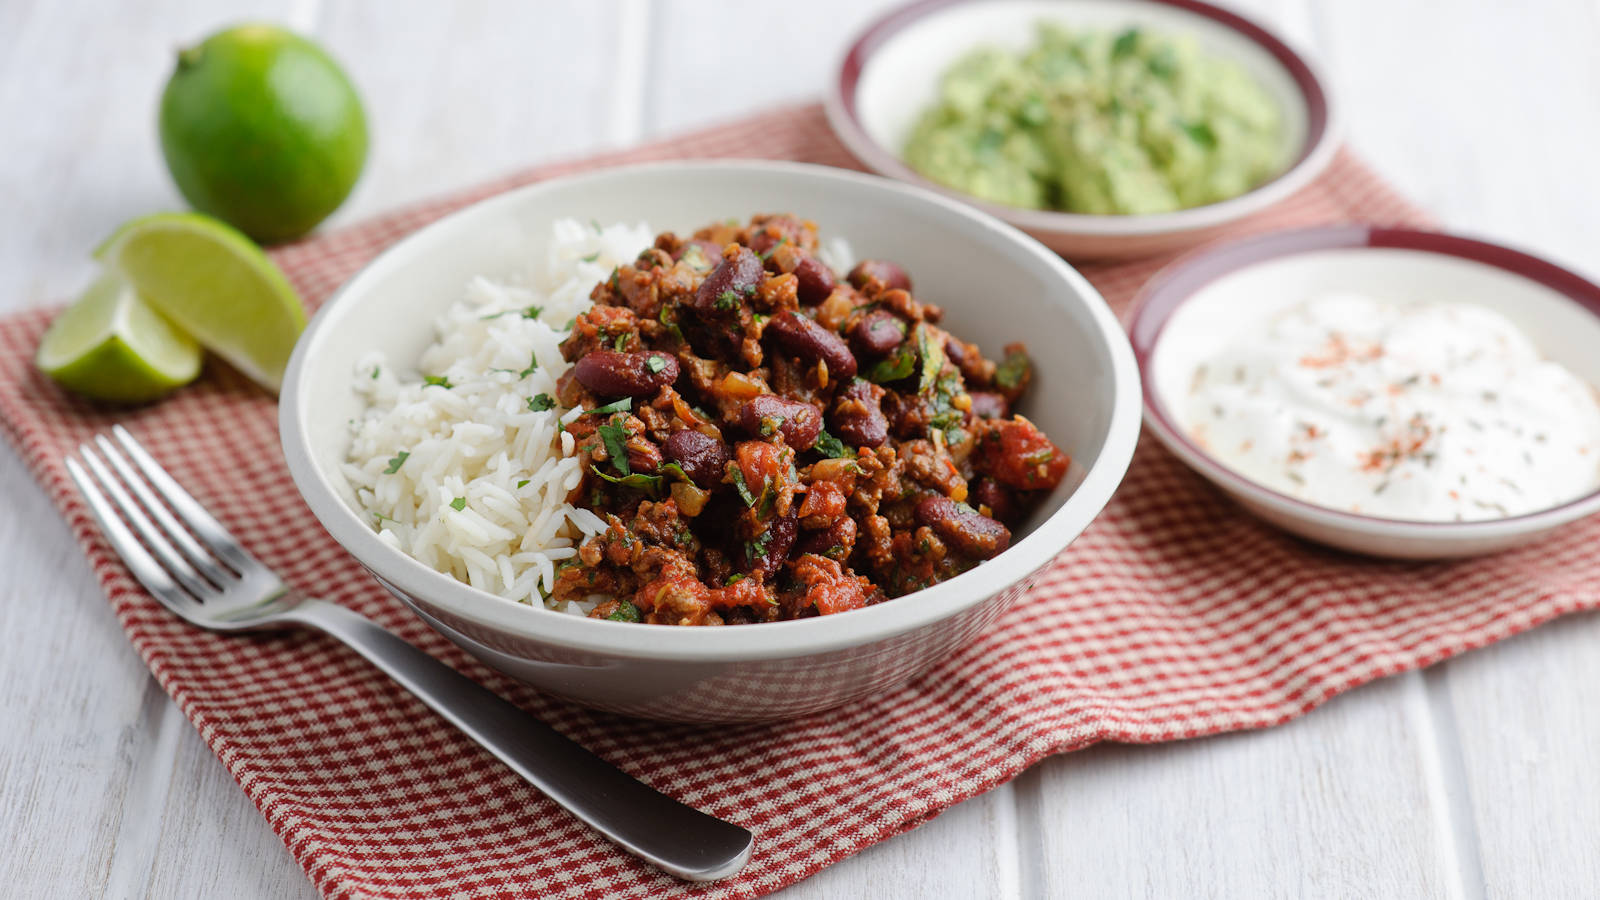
{"type": "Point", "coordinates": [1103, 127]}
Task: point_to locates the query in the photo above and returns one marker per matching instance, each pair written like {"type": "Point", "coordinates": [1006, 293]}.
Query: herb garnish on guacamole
{"type": "Point", "coordinates": [1099, 122]}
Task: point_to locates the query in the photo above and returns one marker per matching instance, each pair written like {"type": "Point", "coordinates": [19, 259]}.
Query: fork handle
{"type": "Point", "coordinates": [647, 823]}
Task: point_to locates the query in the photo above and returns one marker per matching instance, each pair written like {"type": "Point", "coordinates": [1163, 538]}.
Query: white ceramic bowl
{"type": "Point", "coordinates": [1190, 311]}
{"type": "Point", "coordinates": [995, 284]}
{"type": "Point", "coordinates": [890, 74]}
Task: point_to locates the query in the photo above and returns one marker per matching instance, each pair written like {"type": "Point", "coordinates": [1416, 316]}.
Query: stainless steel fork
{"type": "Point", "coordinates": [199, 571]}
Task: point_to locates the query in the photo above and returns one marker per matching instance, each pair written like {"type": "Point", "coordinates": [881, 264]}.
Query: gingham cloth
{"type": "Point", "coordinates": [1175, 615]}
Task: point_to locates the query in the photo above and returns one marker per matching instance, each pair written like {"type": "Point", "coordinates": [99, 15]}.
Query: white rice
{"type": "Point", "coordinates": [476, 444]}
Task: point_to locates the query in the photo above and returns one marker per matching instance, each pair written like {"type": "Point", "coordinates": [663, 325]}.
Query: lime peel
{"type": "Point", "coordinates": [215, 284]}
{"type": "Point", "coordinates": [110, 345]}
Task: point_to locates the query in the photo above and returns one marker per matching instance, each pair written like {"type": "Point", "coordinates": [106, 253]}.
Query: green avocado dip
{"type": "Point", "coordinates": [1101, 123]}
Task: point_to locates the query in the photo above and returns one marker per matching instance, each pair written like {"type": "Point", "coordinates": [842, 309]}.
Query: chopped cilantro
{"type": "Point", "coordinates": [769, 498]}
{"type": "Point", "coordinates": [615, 438]}
{"type": "Point", "coordinates": [754, 550]}
{"type": "Point", "coordinates": [1126, 43]}
{"type": "Point", "coordinates": [932, 352]}
{"type": "Point", "coordinates": [595, 224]}
{"type": "Point", "coordinates": [739, 485]}
{"type": "Point", "coordinates": [396, 461]}
{"type": "Point", "coordinates": [1201, 133]}
{"type": "Point", "coordinates": [527, 312]}
{"type": "Point", "coordinates": [771, 424]}
{"type": "Point", "coordinates": [522, 484]}
{"type": "Point", "coordinates": [1013, 370]}
{"type": "Point", "coordinates": [591, 257]}
{"type": "Point", "coordinates": [615, 406]}
{"type": "Point", "coordinates": [625, 612]}
{"type": "Point", "coordinates": [458, 504]}
{"type": "Point", "coordinates": [533, 366]}
{"type": "Point", "coordinates": [669, 319]}
{"type": "Point", "coordinates": [832, 447]}
{"type": "Point", "coordinates": [437, 381]}
{"type": "Point", "coordinates": [650, 484]}
{"type": "Point", "coordinates": [540, 402]}
{"type": "Point", "coordinates": [375, 370]}
{"type": "Point", "coordinates": [727, 300]}
{"type": "Point", "coordinates": [770, 250]}
{"type": "Point", "coordinates": [897, 366]}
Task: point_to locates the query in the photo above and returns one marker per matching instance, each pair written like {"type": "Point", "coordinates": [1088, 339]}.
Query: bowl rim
{"type": "Point", "coordinates": [1317, 151]}
{"type": "Point", "coordinates": [1163, 295]}
{"type": "Point", "coordinates": [769, 640]}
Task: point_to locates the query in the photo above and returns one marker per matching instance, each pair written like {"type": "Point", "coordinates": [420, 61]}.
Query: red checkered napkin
{"type": "Point", "coordinates": [1175, 615]}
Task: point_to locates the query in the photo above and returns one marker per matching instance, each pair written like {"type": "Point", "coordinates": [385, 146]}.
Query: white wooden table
{"type": "Point", "coordinates": [1476, 778]}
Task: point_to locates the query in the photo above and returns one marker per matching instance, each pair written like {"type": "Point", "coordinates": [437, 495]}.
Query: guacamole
{"type": "Point", "coordinates": [1099, 122]}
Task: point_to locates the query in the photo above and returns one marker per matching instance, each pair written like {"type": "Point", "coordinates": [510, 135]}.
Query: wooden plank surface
{"type": "Point", "coordinates": [1475, 779]}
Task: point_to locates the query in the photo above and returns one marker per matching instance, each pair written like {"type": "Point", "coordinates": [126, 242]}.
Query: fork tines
{"type": "Point", "coordinates": [171, 544]}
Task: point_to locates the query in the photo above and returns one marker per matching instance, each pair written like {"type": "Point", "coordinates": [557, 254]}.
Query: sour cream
{"type": "Point", "coordinates": [1421, 411]}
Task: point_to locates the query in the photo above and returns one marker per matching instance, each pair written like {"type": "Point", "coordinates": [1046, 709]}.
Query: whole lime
{"type": "Point", "coordinates": [263, 130]}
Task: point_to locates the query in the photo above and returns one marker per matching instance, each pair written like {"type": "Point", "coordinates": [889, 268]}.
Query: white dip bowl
{"type": "Point", "coordinates": [1195, 308]}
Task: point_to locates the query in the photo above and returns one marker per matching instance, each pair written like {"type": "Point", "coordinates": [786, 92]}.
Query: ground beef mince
{"type": "Point", "coordinates": [767, 440]}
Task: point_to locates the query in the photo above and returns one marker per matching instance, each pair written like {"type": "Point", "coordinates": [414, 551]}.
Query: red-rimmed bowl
{"type": "Point", "coordinates": [1190, 310]}
{"type": "Point", "coordinates": [890, 74]}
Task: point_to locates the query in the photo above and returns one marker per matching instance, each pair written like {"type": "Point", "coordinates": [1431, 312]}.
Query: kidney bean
{"type": "Point", "coordinates": [1001, 502]}
{"type": "Point", "coordinates": [884, 272]}
{"type": "Point", "coordinates": [798, 422]}
{"type": "Point", "coordinates": [702, 457]}
{"type": "Point", "coordinates": [964, 356]}
{"type": "Point", "coordinates": [858, 417]}
{"type": "Point", "coordinates": [966, 530]}
{"type": "Point", "coordinates": [764, 554]}
{"type": "Point", "coordinates": [877, 333]}
{"type": "Point", "coordinates": [835, 542]}
{"type": "Point", "coordinates": [611, 373]}
{"type": "Point", "coordinates": [816, 281]}
{"type": "Point", "coordinates": [956, 351]}
{"type": "Point", "coordinates": [730, 285]}
{"type": "Point", "coordinates": [811, 342]}
{"type": "Point", "coordinates": [989, 405]}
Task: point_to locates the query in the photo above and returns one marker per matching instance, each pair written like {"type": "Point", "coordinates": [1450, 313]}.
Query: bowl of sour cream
{"type": "Point", "coordinates": [1398, 393]}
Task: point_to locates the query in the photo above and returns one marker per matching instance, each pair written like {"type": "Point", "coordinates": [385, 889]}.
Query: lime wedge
{"type": "Point", "coordinates": [214, 283]}
{"type": "Point", "coordinates": [110, 345]}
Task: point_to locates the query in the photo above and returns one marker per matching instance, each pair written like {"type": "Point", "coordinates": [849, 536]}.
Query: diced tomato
{"type": "Point", "coordinates": [762, 463]}
{"type": "Point", "coordinates": [828, 588]}
{"type": "Point", "coordinates": [1018, 455]}
{"type": "Point", "coordinates": [825, 502]}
